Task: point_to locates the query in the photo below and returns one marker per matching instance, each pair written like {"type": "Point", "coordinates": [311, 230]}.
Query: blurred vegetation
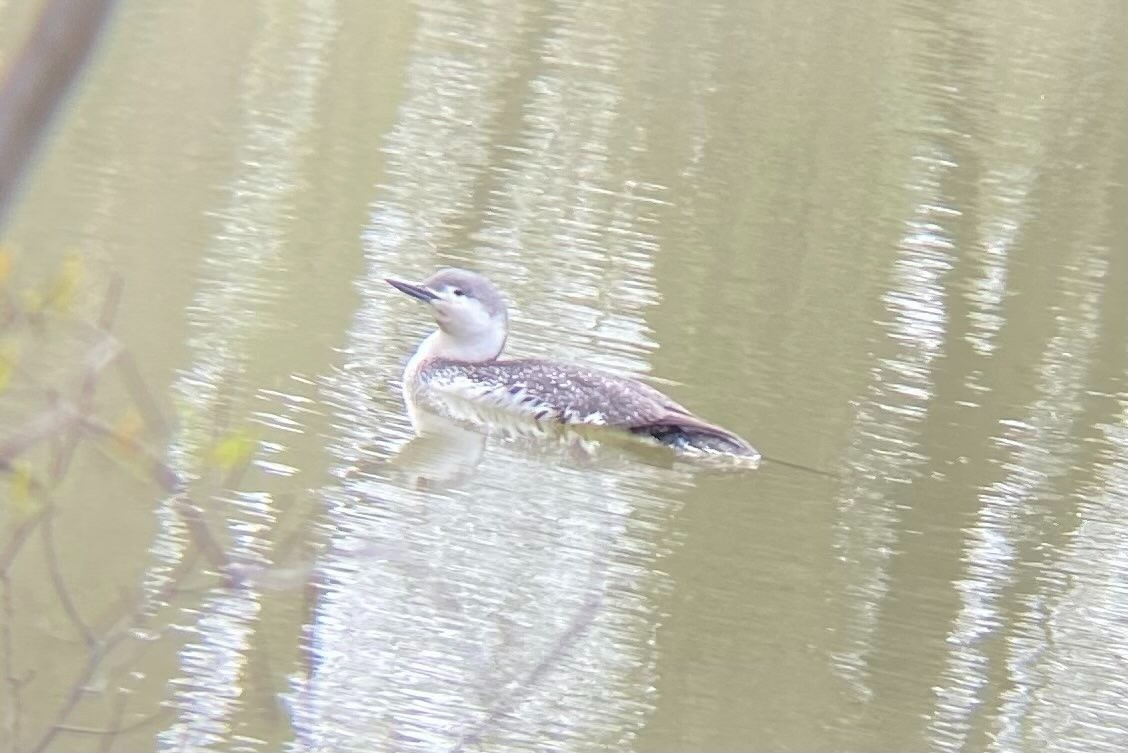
{"type": "Point", "coordinates": [69, 387]}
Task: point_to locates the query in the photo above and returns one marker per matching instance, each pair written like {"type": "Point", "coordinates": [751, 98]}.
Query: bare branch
{"type": "Point", "coordinates": [47, 533]}
{"type": "Point", "coordinates": [38, 80]}
{"type": "Point", "coordinates": [42, 427]}
{"type": "Point", "coordinates": [571, 635]}
{"type": "Point", "coordinates": [115, 636]}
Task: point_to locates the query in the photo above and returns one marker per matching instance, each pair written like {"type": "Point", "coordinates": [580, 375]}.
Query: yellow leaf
{"type": "Point", "coordinates": [233, 450]}
{"type": "Point", "coordinates": [127, 431]}
{"type": "Point", "coordinates": [62, 290]}
{"type": "Point", "coordinates": [20, 483]}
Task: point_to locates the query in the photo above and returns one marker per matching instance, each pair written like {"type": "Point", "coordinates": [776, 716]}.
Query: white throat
{"type": "Point", "coordinates": [485, 346]}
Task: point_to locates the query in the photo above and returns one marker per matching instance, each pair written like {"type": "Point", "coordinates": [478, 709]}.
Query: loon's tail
{"type": "Point", "coordinates": [684, 432]}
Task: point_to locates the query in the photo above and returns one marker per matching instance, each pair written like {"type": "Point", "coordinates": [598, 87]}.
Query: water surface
{"type": "Point", "coordinates": [887, 245]}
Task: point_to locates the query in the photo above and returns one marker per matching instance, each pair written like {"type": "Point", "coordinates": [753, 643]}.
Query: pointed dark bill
{"type": "Point", "coordinates": [413, 290]}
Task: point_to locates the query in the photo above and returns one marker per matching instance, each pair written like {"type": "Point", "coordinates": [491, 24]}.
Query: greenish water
{"type": "Point", "coordinates": [885, 242]}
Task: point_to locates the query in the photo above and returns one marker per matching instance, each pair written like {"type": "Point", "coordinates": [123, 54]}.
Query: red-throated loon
{"type": "Point", "coordinates": [462, 359]}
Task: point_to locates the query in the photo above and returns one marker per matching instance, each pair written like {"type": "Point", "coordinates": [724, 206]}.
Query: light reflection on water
{"type": "Point", "coordinates": [884, 451]}
{"type": "Point", "coordinates": [1034, 454]}
{"type": "Point", "coordinates": [496, 607]}
{"type": "Point", "coordinates": [952, 283]}
{"type": "Point", "coordinates": [476, 591]}
{"type": "Point", "coordinates": [236, 293]}
{"type": "Point", "coordinates": [886, 243]}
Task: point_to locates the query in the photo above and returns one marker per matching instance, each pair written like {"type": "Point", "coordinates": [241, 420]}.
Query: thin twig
{"type": "Point", "coordinates": [164, 475]}
{"type": "Point", "coordinates": [98, 357]}
{"type": "Point", "coordinates": [170, 481]}
{"type": "Point", "coordinates": [15, 710]}
{"type": "Point", "coordinates": [22, 533]}
{"type": "Point", "coordinates": [114, 637]}
{"type": "Point", "coordinates": [584, 618]}
{"type": "Point", "coordinates": [42, 427]}
{"type": "Point", "coordinates": [47, 533]}
{"type": "Point", "coordinates": [145, 721]}
{"type": "Point", "coordinates": [142, 398]}
{"type": "Point", "coordinates": [115, 722]}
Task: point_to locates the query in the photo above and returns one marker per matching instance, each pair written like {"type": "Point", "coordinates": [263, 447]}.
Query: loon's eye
{"type": "Point", "coordinates": [459, 292]}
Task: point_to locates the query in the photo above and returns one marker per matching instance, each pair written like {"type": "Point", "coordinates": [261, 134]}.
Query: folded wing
{"type": "Point", "coordinates": [576, 395]}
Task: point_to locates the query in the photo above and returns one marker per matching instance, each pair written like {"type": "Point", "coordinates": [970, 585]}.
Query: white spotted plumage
{"type": "Point", "coordinates": [461, 360]}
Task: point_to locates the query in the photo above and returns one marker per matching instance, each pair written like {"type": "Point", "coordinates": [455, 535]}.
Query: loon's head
{"type": "Point", "coordinates": [469, 310]}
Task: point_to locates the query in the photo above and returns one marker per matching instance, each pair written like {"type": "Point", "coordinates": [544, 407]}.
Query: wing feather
{"type": "Point", "coordinates": [570, 394]}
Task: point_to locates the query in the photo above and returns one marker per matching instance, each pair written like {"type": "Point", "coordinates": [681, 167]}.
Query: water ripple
{"type": "Point", "coordinates": [483, 591]}
{"type": "Point", "coordinates": [235, 287]}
